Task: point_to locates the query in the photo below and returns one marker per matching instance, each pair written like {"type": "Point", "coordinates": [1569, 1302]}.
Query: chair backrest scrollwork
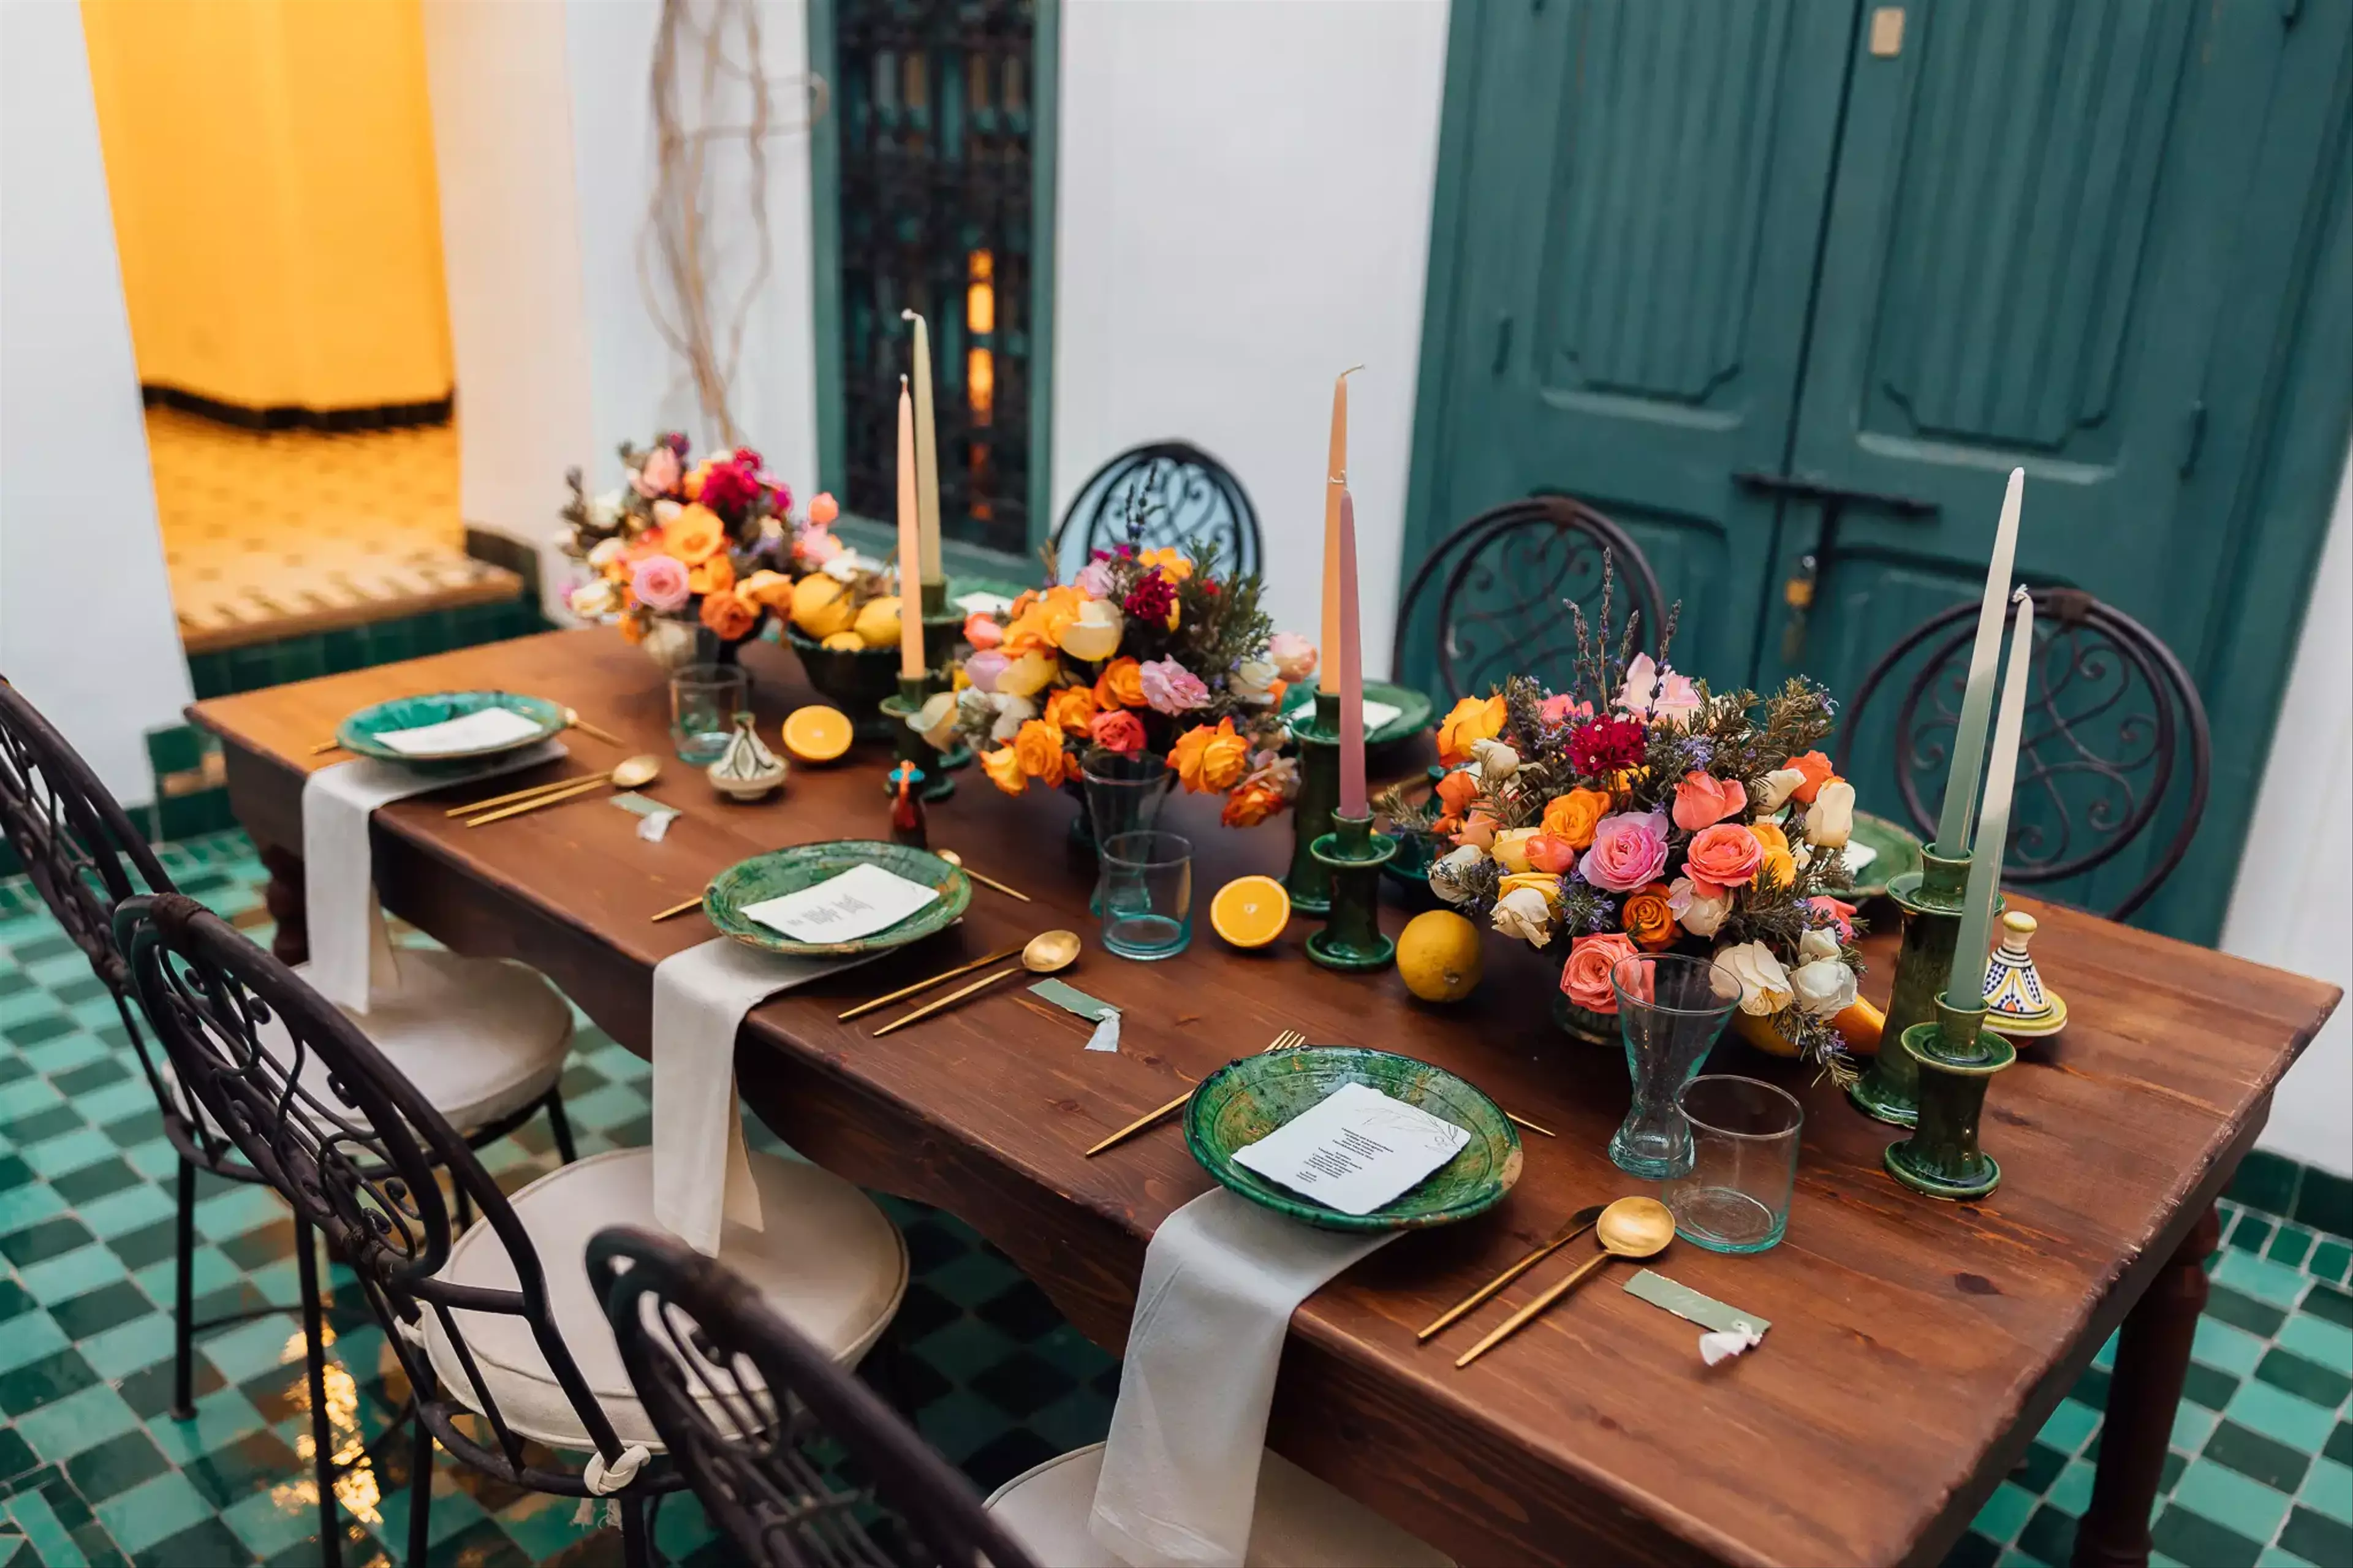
{"type": "Point", "coordinates": [1179, 495]}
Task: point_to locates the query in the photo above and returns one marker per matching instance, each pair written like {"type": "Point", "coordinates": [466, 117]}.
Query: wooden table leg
{"type": "Point", "coordinates": [284, 900]}
{"type": "Point", "coordinates": [2152, 1360]}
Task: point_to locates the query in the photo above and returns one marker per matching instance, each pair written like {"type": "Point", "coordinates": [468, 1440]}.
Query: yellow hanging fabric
{"type": "Point", "coordinates": [271, 163]}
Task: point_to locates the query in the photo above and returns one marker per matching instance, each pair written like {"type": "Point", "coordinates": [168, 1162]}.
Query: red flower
{"type": "Point", "coordinates": [1152, 598]}
{"type": "Point", "coordinates": [1605, 745]}
{"type": "Point", "coordinates": [729, 489]}
{"type": "Point", "coordinates": [747, 459]}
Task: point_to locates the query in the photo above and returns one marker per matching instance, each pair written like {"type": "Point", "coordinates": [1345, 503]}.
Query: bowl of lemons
{"type": "Point", "coordinates": [848, 648]}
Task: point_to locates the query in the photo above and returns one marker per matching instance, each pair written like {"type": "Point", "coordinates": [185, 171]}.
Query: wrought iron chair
{"type": "Point", "coordinates": [84, 858]}
{"type": "Point", "coordinates": [1487, 603]}
{"type": "Point", "coordinates": [509, 1360]}
{"type": "Point", "coordinates": [714, 1365]}
{"type": "Point", "coordinates": [1185, 495]}
{"type": "Point", "coordinates": [2112, 719]}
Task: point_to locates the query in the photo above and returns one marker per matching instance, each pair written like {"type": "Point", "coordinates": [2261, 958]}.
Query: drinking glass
{"type": "Point", "coordinates": [1735, 1195]}
{"type": "Point", "coordinates": [1147, 894]}
{"type": "Point", "coordinates": [1670, 1008]}
{"type": "Point", "coordinates": [703, 699]}
{"type": "Point", "coordinates": [1124, 794]}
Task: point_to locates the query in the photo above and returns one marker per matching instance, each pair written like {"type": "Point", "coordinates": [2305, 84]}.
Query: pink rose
{"type": "Point", "coordinates": [1561, 708]}
{"type": "Point", "coordinates": [1629, 850]}
{"type": "Point", "coordinates": [981, 632]}
{"type": "Point", "coordinates": [1546, 853]}
{"type": "Point", "coordinates": [1294, 655]}
{"type": "Point", "coordinates": [1170, 688]}
{"type": "Point", "coordinates": [1641, 686]}
{"type": "Point", "coordinates": [983, 669]}
{"type": "Point", "coordinates": [659, 581]}
{"type": "Point", "coordinates": [1093, 580]}
{"type": "Point", "coordinates": [657, 476]}
{"type": "Point", "coordinates": [1725, 855]}
{"type": "Point", "coordinates": [1584, 978]}
{"type": "Point", "coordinates": [816, 547]}
{"type": "Point", "coordinates": [1702, 800]}
{"type": "Point", "coordinates": [1834, 912]}
{"type": "Point", "coordinates": [1117, 731]}
{"type": "Point", "coordinates": [1677, 700]}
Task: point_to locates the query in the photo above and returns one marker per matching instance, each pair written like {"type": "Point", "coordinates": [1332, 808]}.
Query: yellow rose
{"type": "Point", "coordinates": [1542, 882]}
{"type": "Point", "coordinates": [1210, 760]}
{"type": "Point", "coordinates": [1121, 685]}
{"type": "Point", "coordinates": [1026, 676]}
{"type": "Point", "coordinates": [1004, 769]}
{"type": "Point", "coordinates": [1571, 818]}
{"type": "Point", "coordinates": [1474, 719]}
{"type": "Point", "coordinates": [1781, 865]}
{"type": "Point", "coordinates": [1093, 634]}
{"type": "Point", "coordinates": [1511, 847]}
{"type": "Point", "coordinates": [1038, 748]}
{"type": "Point", "coordinates": [773, 589]}
{"type": "Point", "coordinates": [1172, 563]}
{"type": "Point", "coordinates": [1071, 708]}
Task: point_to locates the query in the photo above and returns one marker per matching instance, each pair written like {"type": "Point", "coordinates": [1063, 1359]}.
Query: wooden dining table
{"type": "Point", "coordinates": [1915, 1347]}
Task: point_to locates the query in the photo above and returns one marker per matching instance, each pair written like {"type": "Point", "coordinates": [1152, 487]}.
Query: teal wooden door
{"type": "Point", "coordinates": [1629, 268]}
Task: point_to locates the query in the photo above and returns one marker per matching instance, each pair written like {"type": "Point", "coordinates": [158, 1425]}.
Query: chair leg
{"type": "Point", "coordinates": [183, 1299]}
{"type": "Point", "coordinates": [637, 1536]}
{"type": "Point", "coordinates": [322, 1434]}
{"type": "Point", "coordinates": [561, 1126]}
{"type": "Point", "coordinates": [420, 1480]}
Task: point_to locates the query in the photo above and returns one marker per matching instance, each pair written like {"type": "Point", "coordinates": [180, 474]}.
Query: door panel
{"type": "Point", "coordinates": [1630, 267]}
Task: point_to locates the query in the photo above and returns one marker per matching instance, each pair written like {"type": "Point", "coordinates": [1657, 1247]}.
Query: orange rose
{"type": "Point", "coordinates": [1647, 918]}
{"type": "Point", "coordinates": [1571, 818]}
{"type": "Point", "coordinates": [1456, 791]}
{"type": "Point", "coordinates": [1038, 745]}
{"type": "Point", "coordinates": [1121, 685]}
{"type": "Point", "coordinates": [1725, 855]}
{"type": "Point", "coordinates": [1072, 709]}
{"type": "Point", "coordinates": [1059, 611]}
{"type": "Point", "coordinates": [1004, 769]}
{"type": "Point", "coordinates": [729, 616]}
{"type": "Point", "coordinates": [1210, 760]}
{"type": "Point", "coordinates": [1250, 804]}
{"type": "Point", "coordinates": [691, 486]}
{"type": "Point", "coordinates": [1474, 719]}
{"type": "Point", "coordinates": [773, 589]}
{"type": "Point", "coordinates": [1816, 768]}
{"type": "Point", "coordinates": [1478, 830]}
{"type": "Point", "coordinates": [694, 535]}
{"type": "Point", "coordinates": [715, 576]}
{"type": "Point", "coordinates": [1546, 853]}
{"type": "Point", "coordinates": [633, 628]}
{"type": "Point", "coordinates": [1779, 865]}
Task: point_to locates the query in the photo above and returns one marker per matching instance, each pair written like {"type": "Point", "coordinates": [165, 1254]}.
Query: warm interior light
{"type": "Point", "coordinates": [980, 383]}
{"type": "Point", "coordinates": [980, 298]}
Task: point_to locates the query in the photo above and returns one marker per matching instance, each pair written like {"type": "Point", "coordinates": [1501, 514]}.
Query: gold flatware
{"type": "Point", "coordinates": [680, 908]}
{"type": "Point", "coordinates": [904, 991]}
{"type": "Point", "coordinates": [1579, 1222]}
{"type": "Point", "coordinates": [952, 858]}
{"type": "Point", "coordinates": [547, 787]}
{"type": "Point", "coordinates": [1045, 953]}
{"type": "Point", "coordinates": [573, 721]}
{"type": "Point", "coordinates": [637, 770]}
{"type": "Point", "coordinates": [1631, 1227]}
{"type": "Point", "coordinates": [1288, 1039]}
{"type": "Point", "coordinates": [1531, 1126]}
{"type": "Point", "coordinates": [323, 747]}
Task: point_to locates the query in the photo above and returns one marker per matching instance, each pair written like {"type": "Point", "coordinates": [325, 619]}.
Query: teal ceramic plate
{"type": "Point", "coordinates": [1413, 710]}
{"type": "Point", "coordinates": [782, 871]}
{"type": "Point", "coordinates": [357, 734]}
{"type": "Point", "coordinates": [1244, 1101]}
{"type": "Point", "coordinates": [1898, 852]}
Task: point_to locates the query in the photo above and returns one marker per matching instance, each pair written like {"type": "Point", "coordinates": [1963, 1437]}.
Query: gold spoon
{"type": "Point", "coordinates": [1577, 1225]}
{"type": "Point", "coordinates": [641, 769]}
{"type": "Point", "coordinates": [1631, 1227]}
{"type": "Point", "coordinates": [952, 858]}
{"type": "Point", "coordinates": [1046, 952]}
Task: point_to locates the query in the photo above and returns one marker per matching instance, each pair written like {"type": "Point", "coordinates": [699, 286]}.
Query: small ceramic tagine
{"type": "Point", "coordinates": [748, 769]}
{"type": "Point", "coordinates": [2017, 1002]}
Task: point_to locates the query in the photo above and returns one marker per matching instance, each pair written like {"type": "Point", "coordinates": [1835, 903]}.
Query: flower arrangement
{"type": "Point", "coordinates": [1148, 652]}
{"type": "Point", "coordinates": [1641, 811]}
{"type": "Point", "coordinates": [712, 543]}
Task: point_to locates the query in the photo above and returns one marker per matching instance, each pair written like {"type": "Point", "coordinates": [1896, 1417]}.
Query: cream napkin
{"type": "Point", "coordinates": [1221, 1278]}
{"type": "Point", "coordinates": [350, 951]}
{"type": "Point", "coordinates": [702, 1173]}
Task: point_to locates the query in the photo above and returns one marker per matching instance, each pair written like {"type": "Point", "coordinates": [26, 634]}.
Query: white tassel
{"type": "Point", "coordinates": [1726, 1342]}
{"type": "Point", "coordinates": [1107, 1035]}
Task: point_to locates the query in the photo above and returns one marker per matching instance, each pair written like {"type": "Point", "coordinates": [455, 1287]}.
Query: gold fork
{"type": "Point", "coordinates": [1579, 1224]}
{"type": "Point", "coordinates": [1287, 1039]}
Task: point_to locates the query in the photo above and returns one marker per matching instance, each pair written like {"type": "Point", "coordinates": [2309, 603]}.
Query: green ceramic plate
{"type": "Point", "coordinates": [1244, 1101]}
{"type": "Point", "coordinates": [1413, 709]}
{"type": "Point", "coordinates": [357, 734]}
{"type": "Point", "coordinates": [782, 871]}
{"type": "Point", "coordinates": [1899, 852]}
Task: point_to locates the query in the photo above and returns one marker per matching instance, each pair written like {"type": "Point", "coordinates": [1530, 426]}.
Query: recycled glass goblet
{"type": "Point", "coordinates": [1670, 1008]}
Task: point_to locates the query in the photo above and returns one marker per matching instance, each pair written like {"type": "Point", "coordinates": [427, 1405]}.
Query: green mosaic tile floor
{"type": "Point", "coordinates": [93, 1471]}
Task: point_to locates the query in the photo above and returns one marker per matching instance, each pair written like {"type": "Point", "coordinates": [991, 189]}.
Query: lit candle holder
{"type": "Point", "coordinates": [1352, 853]}
{"type": "Point", "coordinates": [1976, 697]}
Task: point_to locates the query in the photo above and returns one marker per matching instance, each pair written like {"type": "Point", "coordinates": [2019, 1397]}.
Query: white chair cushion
{"type": "Point", "coordinates": [1300, 1522]}
{"type": "Point", "coordinates": [828, 1261]}
{"type": "Point", "coordinates": [478, 1036]}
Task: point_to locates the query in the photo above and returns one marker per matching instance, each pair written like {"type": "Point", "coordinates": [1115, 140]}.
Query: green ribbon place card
{"type": "Point", "coordinates": [1691, 1307]}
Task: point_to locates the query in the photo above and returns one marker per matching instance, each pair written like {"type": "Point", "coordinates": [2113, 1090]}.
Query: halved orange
{"type": "Point", "coordinates": [1251, 912]}
{"type": "Point", "coordinates": [816, 733]}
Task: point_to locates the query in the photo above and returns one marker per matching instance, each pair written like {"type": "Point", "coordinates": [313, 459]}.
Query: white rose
{"type": "Point", "coordinates": [1012, 713]}
{"type": "Point", "coordinates": [1821, 942]}
{"type": "Point", "coordinates": [607, 552]}
{"type": "Point", "coordinates": [1497, 761]}
{"type": "Point", "coordinates": [1525, 913]}
{"type": "Point", "coordinates": [1252, 681]}
{"type": "Point", "coordinates": [1699, 914]}
{"type": "Point", "coordinates": [1776, 793]}
{"type": "Point", "coordinates": [844, 568]}
{"type": "Point", "coordinates": [1446, 873]}
{"type": "Point", "coordinates": [591, 600]}
{"type": "Point", "coordinates": [1764, 984]}
{"type": "Point", "coordinates": [1824, 987]}
{"type": "Point", "coordinates": [666, 511]}
{"type": "Point", "coordinates": [1831, 818]}
{"type": "Point", "coordinates": [935, 721]}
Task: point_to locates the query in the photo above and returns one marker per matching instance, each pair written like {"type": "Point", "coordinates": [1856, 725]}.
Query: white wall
{"type": "Point", "coordinates": [2292, 906]}
{"type": "Point", "coordinates": [86, 625]}
{"type": "Point", "coordinates": [1244, 212]}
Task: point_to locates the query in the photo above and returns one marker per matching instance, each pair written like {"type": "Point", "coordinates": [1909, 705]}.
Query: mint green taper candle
{"type": "Point", "coordinates": [1976, 697]}
{"type": "Point", "coordinates": [1965, 983]}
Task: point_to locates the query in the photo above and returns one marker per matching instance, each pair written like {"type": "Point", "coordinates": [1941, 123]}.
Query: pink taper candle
{"type": "Point", "coordinates": [1351, 670]}
{"type": "Point", "coordinates": [911, 549]}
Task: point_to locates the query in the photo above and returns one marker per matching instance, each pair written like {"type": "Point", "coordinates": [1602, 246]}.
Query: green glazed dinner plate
{"type": "Point", "coordinates": [1244, 1101]}
{"type": "Point", "coordinates": [1413, 710]}
{"type": "Point", "coordinates": [357, 734]}
{"type": "Point", "coordinates": [782, 871]}
{"type": "Point", "coordinates": [1898, 852]}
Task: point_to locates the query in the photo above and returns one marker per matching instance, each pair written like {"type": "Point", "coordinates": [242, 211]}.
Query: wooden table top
{"type": "Point", "coordinates": [1916, 1346]}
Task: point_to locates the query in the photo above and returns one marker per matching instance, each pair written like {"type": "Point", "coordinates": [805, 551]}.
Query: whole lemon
{"type": "Point", "coordinates": [821, 605]}
{"type": "Point", "coordinates": [1437, 956]}
{"type": "Point", "coordinates": [877, 622]}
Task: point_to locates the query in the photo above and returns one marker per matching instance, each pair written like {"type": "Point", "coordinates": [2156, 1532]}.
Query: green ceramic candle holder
{"type": "Point", "coordinates": [1308, 882]}
{"type": "Point", "coordinates": [907, 745]}
{"type": "Point", "coordinates": [942, 628]}
{"type": "Point", "coordinates": [1352, 856]}
{"type": "Point", "coordinates": [1931, 901]}
{"type": "Point", "coordinates": [1956, 1056]}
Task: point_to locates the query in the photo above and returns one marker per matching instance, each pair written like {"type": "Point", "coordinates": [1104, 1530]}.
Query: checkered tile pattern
{"type": "Point", "coordinates": [93, 1470]}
